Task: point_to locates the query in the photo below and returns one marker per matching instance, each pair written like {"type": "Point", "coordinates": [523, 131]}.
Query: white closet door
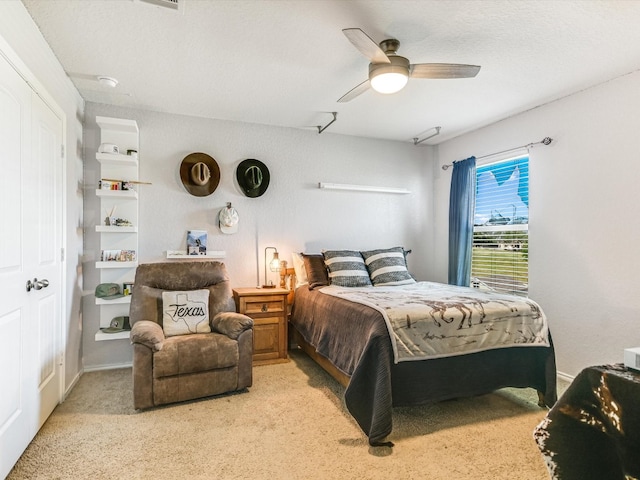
{"type": "Point", "coordinates": [30, 318]}
{"type": "Point", "coordinates": [45, 208]}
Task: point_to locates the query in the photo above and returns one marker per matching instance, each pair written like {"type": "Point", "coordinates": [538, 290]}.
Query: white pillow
{"type": "Point", "coordinates": [301, 272]}
{"type": "Point", "coordinates": [184, 313]}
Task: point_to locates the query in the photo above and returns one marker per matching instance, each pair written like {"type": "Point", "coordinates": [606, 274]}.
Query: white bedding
{"type": "Point", "coordinates": [434, 320]}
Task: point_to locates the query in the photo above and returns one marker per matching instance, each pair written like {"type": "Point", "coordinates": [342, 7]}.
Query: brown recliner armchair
{"type": "Point", "coordinates": [169, 369]}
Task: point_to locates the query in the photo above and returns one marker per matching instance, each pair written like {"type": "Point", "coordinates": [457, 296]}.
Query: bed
{"type": "Point", "coordinates": [353, 342]}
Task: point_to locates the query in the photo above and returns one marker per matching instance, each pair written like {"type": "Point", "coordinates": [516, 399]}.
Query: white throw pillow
{"type": "Point", "coordinates": [298, 267]}
{"type": "Point", "coordinates": [185, 313]}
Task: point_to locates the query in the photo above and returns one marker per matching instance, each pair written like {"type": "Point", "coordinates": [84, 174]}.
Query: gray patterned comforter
{"type": "Point", "coordinates": [433, 320]}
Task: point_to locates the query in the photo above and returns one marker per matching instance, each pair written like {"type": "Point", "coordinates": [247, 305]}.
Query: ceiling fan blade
{"type": "Point", "coordinates": [354, 92]}
{"type": "Point", "coordinates": [443, 70]}
{"type": "Point", "coordinates": [366, 45]}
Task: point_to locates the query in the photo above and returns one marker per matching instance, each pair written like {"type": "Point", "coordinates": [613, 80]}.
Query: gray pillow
{"type": "Point", "coordinates": [346, 268]}
{"type": "Point", "coordinates": [316, 270]}
{"type": "Point", "coordinates": [387, 266]}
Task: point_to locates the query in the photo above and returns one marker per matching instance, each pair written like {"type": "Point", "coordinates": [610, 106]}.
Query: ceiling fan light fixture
{"type": "Point", "coordinates": [390, 82]}
{"type": "Point", "coordinates": [389, 77]}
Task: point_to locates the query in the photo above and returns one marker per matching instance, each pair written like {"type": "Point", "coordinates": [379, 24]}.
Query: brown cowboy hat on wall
{"type": "Point", "coordinates": [200, 174]}
{"type": "Point", "coordinates": [253, 177]}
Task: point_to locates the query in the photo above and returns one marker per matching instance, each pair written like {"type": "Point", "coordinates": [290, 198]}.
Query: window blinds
{"type": "Point", "coordinates": [501, 227]}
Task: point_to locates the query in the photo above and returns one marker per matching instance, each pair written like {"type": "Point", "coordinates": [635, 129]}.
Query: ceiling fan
{"type": "Point", "coordinates": [389, 72]}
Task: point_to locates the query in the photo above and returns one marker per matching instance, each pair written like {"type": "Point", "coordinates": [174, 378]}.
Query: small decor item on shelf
{"type": "Point", "coordinates": [108, 148]}
{"type": "Point", "coordinates": [112, 221]}
{"type": "Point", "coordinates": [118, 324]}
{"type": "Point", "coordinates": [253, 177]}
{"type": "Point", "coordinates": [118, 256]}
{"type": "Point", "coordinates": [228, 219]}
{"type": "Point", "coordinates": [108, 291]}
{"type": "Point", "coordinates": [127, 288]}
{"type": "Point", "coordinates": [112, 184]}
{"type": "Point", "coordinates": [197, 242]}
{"type": "Point", "coordinates": [117, 222]}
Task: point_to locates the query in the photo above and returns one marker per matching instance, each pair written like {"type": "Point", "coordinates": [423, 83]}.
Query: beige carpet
{"type": "Point", "coordinates": [291, 424]}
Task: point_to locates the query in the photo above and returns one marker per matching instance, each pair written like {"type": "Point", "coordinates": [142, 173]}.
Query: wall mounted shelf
{"type": "Point", "coordinates": [121, 194]}
{"type": "Point", "coordinates": [101, 336]}
{"type": "Point", "coordinates": [117, 301]}
{"type": "Point", "coordinates": [116, 264]}
{"type": "Point", "coordinates": [117, 159]}
{"type": "Point", "coordinates": [362, 188]}
{"type": "Point", "coordinates": [110, 229]}
{"type": "Point", "coordinates": [182, 254]}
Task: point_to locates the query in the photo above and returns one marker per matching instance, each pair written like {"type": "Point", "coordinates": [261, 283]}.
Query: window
{"type": "Point", "coordinates": [500, 258]}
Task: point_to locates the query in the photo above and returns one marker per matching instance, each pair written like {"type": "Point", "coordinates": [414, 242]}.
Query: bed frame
{"type": "Point", "coordinates": [288, 281]}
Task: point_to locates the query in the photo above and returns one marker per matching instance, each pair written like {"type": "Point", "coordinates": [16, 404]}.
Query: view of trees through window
{"type": "Point", "coordinates": [500, 259]}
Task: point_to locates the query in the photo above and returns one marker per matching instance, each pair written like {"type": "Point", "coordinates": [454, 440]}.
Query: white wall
{"type": "Point", "coordinates": [293, 214]}
{"type": "Point", "coordinates": [22, 42]}
{"type": "Point", "coordinates": [584, 228]}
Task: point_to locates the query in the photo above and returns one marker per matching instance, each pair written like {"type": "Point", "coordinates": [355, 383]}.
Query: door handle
{"type": "Point", "coordinates": [37, 284]}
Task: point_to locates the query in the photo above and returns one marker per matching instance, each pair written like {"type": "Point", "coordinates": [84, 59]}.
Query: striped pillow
{"type": "Point", "coordinates": [387, 267]}
{"type": "Point", "coordinates": [346, 268]}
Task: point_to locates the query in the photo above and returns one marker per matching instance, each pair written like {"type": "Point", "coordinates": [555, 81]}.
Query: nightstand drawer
{"type": "Point", "coordinates": [270, 304]}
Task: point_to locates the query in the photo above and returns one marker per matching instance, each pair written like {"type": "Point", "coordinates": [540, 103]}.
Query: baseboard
{"type": "Point", "coordinates": [73, 383]}
{"type": "Point", "coordinates": [565, 376]}
{"type": "Point", "coordinates": [96, 368]}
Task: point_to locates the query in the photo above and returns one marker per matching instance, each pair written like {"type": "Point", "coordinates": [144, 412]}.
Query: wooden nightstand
{"type": "Point", "coordinates": [268, 308]}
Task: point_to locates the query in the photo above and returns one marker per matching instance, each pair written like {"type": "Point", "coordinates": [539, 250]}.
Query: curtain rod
{"type": "Point", "coordinates": [321, 128]}
{"type": "Point", "coordinates": [544, 141]}
{"type": "Point", "coordinates": [417, 140]}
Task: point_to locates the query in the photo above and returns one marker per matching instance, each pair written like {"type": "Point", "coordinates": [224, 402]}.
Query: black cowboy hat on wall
{"type": "Point", "coordinates": [253, 177]}
{"type": "Point", "coordinates": [200, 174]}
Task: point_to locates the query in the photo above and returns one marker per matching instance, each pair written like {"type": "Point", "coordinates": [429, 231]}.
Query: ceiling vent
{"type": "Point", "coordinates": [176, 5]}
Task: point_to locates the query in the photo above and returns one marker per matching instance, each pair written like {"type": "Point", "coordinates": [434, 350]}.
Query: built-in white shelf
{"type": "Point", "coordinates": [123, 125]}
{"type": "Point", "coordinates": [117, 159]}
{"type": "Point", "coordinates": [116, 264]}
{"type": "Point", "coordinates": [183, 254]}
{"type": "Point", "coordinates": [115, 301]}
{"type": "Point", "coordinates": [122, 194]}
{"type": "Point", "coordinates": [113, 229]}
{"type": "Point", "coordinates": [122, 168]}
{"type": "Point", "coordinates": [101, 336]}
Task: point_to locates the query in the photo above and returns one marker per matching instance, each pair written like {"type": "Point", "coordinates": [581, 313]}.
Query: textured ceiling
{"type": "Point", "coordinates": [287, 62]}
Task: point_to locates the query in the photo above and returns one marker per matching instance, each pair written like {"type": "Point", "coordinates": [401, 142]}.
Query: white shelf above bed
{"type": "Point", "coordinates": [182, 254]}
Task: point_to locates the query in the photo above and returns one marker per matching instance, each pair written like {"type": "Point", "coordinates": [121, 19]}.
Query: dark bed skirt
{"type": "Point", "coordinates": [475, 374]}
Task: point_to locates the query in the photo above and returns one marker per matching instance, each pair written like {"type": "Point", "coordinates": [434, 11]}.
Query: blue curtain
{"type": "Point", "coordinates": [462, 203]}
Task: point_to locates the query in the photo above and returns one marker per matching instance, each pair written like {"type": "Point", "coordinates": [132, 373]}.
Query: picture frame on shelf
{"type": "Point", "coordinates": [197, 242]}
{"type": "Point", "coordinates": [118, 256]}
{"type": "Point", "coordinates": [127, 288]}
